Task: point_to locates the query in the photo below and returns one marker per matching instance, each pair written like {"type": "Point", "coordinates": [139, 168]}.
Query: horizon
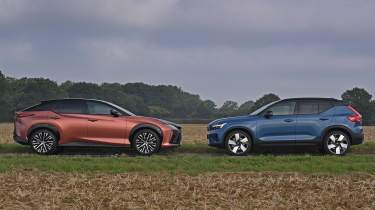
{"type": "Point", "coordinates": [218, 105]}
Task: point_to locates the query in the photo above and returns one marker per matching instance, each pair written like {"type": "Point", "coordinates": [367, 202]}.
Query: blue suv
{"type": "Point", "coordinates": [325, 122]}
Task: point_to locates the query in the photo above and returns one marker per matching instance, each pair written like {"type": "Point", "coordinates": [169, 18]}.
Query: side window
{"type": "Point", "coordinates": [98, 108]}
{"type": "Point", "coordinates": [71, 107]}
{"type": "Point", "coordinates": [283, 108]}
{"type": "Point", "coordinates": [46, 106]}
{"type": "Point", "coordinates": [324, 106]}
{"type": "Point", "coordinates": [308, 107]}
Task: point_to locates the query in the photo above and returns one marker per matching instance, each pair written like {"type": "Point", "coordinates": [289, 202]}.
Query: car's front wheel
{"type": "Point", "coordinates": [43, 142]}
{"type": "Point", "coordinates": [146, 142]}
{"type": "Point", "coordinates": [238, 143]}
{"type": "Point", "coordinates": [336, 143]}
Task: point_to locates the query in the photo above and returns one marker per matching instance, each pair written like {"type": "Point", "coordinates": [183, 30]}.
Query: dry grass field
{"type": "Point", "coordinates": [40, 190]}
{"type": "Point", "coordinates": [29, 181]}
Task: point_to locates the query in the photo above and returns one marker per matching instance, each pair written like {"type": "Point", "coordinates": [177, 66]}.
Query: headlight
{"type": "Point", "coordinates": [218, 126]}
{"type": "Point", "coordinates": [172, 127]}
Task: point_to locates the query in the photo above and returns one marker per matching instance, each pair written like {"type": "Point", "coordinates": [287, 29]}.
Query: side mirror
{"type": "Point", "coordinates": [115, 113]}
{"type": "Point", "coordinates": [268, 114]}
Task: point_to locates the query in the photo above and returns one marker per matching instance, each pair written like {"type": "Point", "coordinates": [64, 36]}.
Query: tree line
{"type": "Point", "coordinates": [165, 101]}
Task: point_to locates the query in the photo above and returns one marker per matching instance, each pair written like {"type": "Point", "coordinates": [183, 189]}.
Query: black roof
{"type": "Point", "coordinates": [72, 99]}
{"type": "Point", "coordinates": [331, 100]}
{"type": "Point", "coordinates": [312, 98]}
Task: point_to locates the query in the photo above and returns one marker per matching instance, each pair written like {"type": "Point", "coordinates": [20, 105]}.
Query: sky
{"type": "Point", "coordinates": [222, 50]}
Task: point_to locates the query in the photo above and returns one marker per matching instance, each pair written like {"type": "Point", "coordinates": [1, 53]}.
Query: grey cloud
{"type": "Point", "coordinates": [220, 49]}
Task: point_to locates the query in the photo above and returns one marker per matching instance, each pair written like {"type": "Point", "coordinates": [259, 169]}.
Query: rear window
{"type": "Point", "coordinates": [308, 108]}
{"type": "Point", "coordinates": [71, 107]}
{"type": "Point", "coordinates": [313, 107]}
{"type": "Point", "coordinates": [48, 106]}
{"type": "Point", "coordinates": [324, 106]}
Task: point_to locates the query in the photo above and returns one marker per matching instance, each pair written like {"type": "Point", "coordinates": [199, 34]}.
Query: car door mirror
{"type": "Point", "coordinates": [115, 113]}
{"type": "Point", "coordinates": [268, 114]}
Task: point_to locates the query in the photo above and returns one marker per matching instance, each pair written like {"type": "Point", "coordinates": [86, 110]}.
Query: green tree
{"type": "Point", "coordinates": [206, 109]}
{"type": "Point", "coordinates": [360, 99]}
{"type": "Point", "coordinates": [228, 108]}
{"type": "Point", "coordinates": [264, 100]}
{"type": "Point", "coordinates": [246, 107]}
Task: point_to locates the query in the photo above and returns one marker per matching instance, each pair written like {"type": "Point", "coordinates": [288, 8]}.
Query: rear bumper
{"type": "Point", "coordinates": [357, 138]}
{"type": "Point", "coordinates": [19, 140]}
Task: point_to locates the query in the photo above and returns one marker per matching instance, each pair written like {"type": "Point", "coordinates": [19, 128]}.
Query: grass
{"type": "Point", "coordinates": [190, 163]}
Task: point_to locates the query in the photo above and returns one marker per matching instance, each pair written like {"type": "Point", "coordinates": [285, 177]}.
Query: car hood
{"type": "Point", "coordinates": [234, 119]}
{"type": "Point", "coordinates": [156, 120]}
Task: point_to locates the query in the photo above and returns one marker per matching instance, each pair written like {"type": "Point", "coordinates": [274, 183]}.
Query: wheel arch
{"type": "Point", "coordinates": [50, 127]}
{"type": "Point", "coordinates": [244, 129]}
{"type": "Point", "coordinates": [337, 128]}
{"type": "Point", "coordinates": [145, 126]}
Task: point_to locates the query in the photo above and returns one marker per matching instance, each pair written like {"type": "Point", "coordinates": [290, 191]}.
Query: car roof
{"type": "Point", "coordinates": [337, 101]}
{"type": "Point", "coordinates": [72, 99]}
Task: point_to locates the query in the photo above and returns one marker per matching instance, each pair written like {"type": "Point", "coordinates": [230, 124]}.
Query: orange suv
{"type": "Point", "coordinates": [86, 122]}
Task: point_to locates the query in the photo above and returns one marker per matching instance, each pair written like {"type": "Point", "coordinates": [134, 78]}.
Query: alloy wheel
{"type": "Point", "coordinates": [146, 142]}
{"type": "Point", "coordinates": [238, 143]}
{"type": "Point", "coordinates": [43, 142]}
{"type": "Point", "coordinates": [337, 143]}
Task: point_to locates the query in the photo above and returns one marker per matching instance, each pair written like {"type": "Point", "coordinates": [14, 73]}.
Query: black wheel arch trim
{"type": "Point", "coordinates": [146, 126]}
{"type": "Point", "coordinates": [248, 131]}
{"type": "Point", "coordinates": [337, 127]}
{"type": "Point", "coordinates": [45, 126]}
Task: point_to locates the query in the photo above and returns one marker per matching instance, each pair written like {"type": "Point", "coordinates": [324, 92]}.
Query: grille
{"type": "Point", "coordinates": [176, 137]}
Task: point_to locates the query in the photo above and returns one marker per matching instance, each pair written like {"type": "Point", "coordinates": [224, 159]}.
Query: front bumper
{"type": "Point", "coordinates": [216, 137]}
{"type": "Point", "coordinates": [174, 140]}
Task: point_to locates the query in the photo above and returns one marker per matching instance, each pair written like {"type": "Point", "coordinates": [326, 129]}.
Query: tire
{"type": "Point", "coordinates": [146, 142]}
{"type": "Point", "coordinates": [238, 143]}
{"type": "Point", "coordinates": [43, 142]}
{"type": "Point", "coordinates": [336, 143]}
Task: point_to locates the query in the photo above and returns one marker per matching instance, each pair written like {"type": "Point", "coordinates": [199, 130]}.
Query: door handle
{"type": "Point", "coordinates": [288, 120]}
{"type": "Point", "coordinates": [92, 120]}
{"type": "Point", "coordinates": [323, 119]}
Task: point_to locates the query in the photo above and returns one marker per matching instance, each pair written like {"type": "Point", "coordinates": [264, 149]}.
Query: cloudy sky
{"type": "Point", "coordinates": [220, 49]}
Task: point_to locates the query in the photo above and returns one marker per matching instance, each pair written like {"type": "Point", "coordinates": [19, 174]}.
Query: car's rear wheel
{"type": "Point", "coordinates": [146, 142]}
{"type": "Point", "coordinates": [336, 143]}
{"type": "Point", "coordinates": [238, 143]}
{"type": "Point", "coordinates": [43, 142]}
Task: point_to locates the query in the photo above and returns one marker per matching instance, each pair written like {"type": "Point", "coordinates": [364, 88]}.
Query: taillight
{"type": "Point", "coordinates": [23, 114]}
{"type": "Point", "coordinates": [356, 117]}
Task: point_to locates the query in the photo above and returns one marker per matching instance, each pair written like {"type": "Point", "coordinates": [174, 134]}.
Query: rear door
{"type": "Point", "coordinates": [103, 127]}
{"type": "Point", "coordinates": [280, 128]}
{"type": "Point", "coordinates": [72, 118]}
{"type": "Point", "coordinates": [312, 119]}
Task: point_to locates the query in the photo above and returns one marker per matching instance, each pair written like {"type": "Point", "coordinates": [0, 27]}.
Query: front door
{"type": "Point", "coordinates": [280, 126]}
{"type": "Point", "coordinates": [103, 127]}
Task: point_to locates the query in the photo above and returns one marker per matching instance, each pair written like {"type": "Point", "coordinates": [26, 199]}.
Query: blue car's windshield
{"type": "Point", "coordinates": [261, 109]}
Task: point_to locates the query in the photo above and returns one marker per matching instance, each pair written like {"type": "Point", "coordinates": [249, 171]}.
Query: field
{"type": "Point", "coordinates": [193, 176]}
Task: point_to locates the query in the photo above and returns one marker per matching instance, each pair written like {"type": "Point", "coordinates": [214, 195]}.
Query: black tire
{"type": "Point", "coordinates": [43, 142]}
{"type": "Point", "coordinates": [146, 142]}
{"type": "Point", "coordinates": [336, 143]}
{"type": "Point", "coordinates": [238, 143]}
